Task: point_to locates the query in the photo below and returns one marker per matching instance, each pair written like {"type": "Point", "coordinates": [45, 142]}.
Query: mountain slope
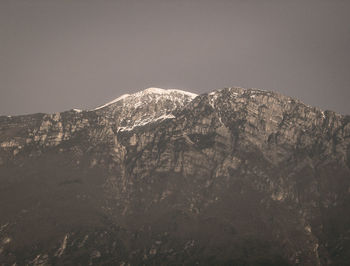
{"type": "Point", "coordinates": [236, 177]}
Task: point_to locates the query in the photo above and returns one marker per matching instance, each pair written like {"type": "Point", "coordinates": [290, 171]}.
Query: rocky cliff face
{"type": "Point", "coordinates": [234, 177]}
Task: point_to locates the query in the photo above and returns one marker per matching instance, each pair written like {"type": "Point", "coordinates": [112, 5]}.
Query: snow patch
{"type": "Point", "coordinates": [63, 246]}
{"type": "Point", "coordinates": [77, 110]}
{"type": "Point", "coordinates": [162, 117]}
{"type": "Point", "coordinates": [148, 120]}
{"type": "Point", "coordinates": [6, 240]}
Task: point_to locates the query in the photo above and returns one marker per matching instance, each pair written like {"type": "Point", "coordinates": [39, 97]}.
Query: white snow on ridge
{"type": "Point", "coordinates": [142, 122]}
{"type": "Point", "coordinates": [114, 101]}
{"type": "Point", "coordinates": [151, 90]}
{"type": "Point", "coordinates": [169, 91]}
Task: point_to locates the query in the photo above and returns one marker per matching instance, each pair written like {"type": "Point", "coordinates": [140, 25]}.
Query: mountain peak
{"type": "Point", "coordinates": [144, 107]}
{"type": "Point", "coordinates": [152, 91]}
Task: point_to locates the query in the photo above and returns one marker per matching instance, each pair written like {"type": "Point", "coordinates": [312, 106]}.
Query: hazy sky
{"type": "Point", "coordinates": [61, 54]}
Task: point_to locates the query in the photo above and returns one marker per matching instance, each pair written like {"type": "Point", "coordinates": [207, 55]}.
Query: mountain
{"type": "Point", "coordinates": [167, 177]}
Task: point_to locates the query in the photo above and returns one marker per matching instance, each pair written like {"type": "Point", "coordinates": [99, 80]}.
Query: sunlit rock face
{"type": "Point", "coordinates": [233, 177]}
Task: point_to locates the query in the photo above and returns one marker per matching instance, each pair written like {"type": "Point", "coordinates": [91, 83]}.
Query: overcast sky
{"type": "Point", "coordinates": [61, 54]}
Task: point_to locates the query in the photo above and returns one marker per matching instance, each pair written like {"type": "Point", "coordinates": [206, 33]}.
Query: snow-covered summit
{"type": "Point", "coordinates": [167, 92]}
{"type": "Point", "coordinates": [155, 92]}
{"type": "Point", "coordinates": [151, 105]}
